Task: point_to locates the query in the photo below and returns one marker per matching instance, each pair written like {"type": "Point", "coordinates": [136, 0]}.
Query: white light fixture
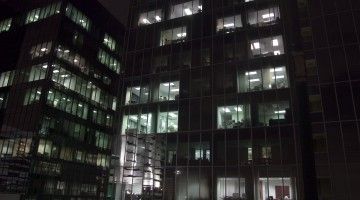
{"type": "Point", "coordinates": [254, 80]}
{"type": "Point", "coordinates": [67, 51]}
{"type": "Point", "coordinates": [250, 73]}
{"type": "Point", "coordinates": [145, 21]}
{"type": "Point", "coordinates": [275, 42]}
{"type": "Point", "coordinates": [174, 90]}
{"type": "Point", "coordinates": [280, 111]}
{"type": "Point", "coordinates": [158, 18]}
{"type": "Point", "coordinates": [200, 7]}
{"type": "Point", "coordinates": [277, 52]}
{"type": "Point", "coordinates": [227, 110]}
{"type": "Point", "coordinates": [187, 11]}
{"type": "Point", "coordinates": [168, 84]}
{"type": "Point", "coordinates": [38, 92]}
{"type": "Point", "coordinates": [56, 71]}
{"type": "Point", "coordinates": [181, 35]}
{"type": "Point", "coordinates": [75, 60]}
{"type": "Point", "coordinates": [134, 118]}
{"type": "Point", "coordinates": [43, 49]}
{"type": "Point", "coordinates": [278, 77]}
{"type": "Point", "coordinates": [137, 88]}
{"type": "Point", "coordinates": [239, 109]}
{"type": "Point", "coordinates": [143, 117]}
{"type": "Point", "coordinates": [278, 69]}
{"type": "Point", "coordinates": [106, 40]}
{"type": "Point", "coordinates": [255, 45]}
{"type": "Point", "coordinates": [229, 25]}
{"type": "Point", "coordinates": [80, 105]}
{"type": "Point", "coordinates": [45, 66]}
{"type": "Point", "coordinates": [268, 15]}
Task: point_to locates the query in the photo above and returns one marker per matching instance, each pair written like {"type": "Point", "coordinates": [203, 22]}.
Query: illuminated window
{"type": "Point", "coordinates": [169, 91]}
{"type": "Point", "coordinates": [77, 17]}
{"type": "Point", "coordinates": [168, 122]}
{"type": "Point", "coordinates": [184, 9]}
{"type": "Point", "coordinates": [264, 17]}
{"type": "Point", "coordinates": [109, 42]}
{"type": "Point", "coordinates": [138, 123]}
{"type": "Point", "coordinates": [151, 17]}
{"type": "Point", "coordinates": [236, 116]}
{"type": "Point", "coordinates": [175, 35]}
{"type": "Point", "coordinates": [42, 13]}
{"type": "Point", "coordinates": [5, 25]}
{"type": "Point", "coordinates": [136, 95]}
{"type": "Point", "coordinates": [109, 61]}
{"type": "Point", "coordinates": [267, 46]}
{"type": "Point", "coordinates": [228, 24]}
{"type": "Point", "coordinates": [273, 113]}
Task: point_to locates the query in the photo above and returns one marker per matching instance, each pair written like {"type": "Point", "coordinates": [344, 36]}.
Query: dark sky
{"type": "Point", "coordinates": [119, 8]}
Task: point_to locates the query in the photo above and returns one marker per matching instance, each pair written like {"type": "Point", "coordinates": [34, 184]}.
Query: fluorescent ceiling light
{"type": "Point", "coordinates": [137, 88]}
{"type": "Point", "coordinates": [175, 90]}
{"type": "Point", "coordinates": [278, 77]}
{"type": "Point", "coordinates": [255, 45]}
{"type": "Point", "coordinates": [277, 52]}
{"type": "Point", "coordinates": [181, 34]}
{"type": "Point", "coordinates": [64, 75]}
{"type": "Point", "coordinates": [254, 80]}
{"type": "Point", "coordinates": [134, 118]}
{"type": "Point", "coordinates": [229, 25]}
{"type": "Point", "coordinates": [278, 69]}
{"type": "Point", "coordinates": [250, 73]}
{"type": "Point", "coordinates": [158, 18]}
{"type": "Point", "coordinates": [143, 117]}
{"type": "Point", "coordinates": [280, 111]}
{"type": "Point", "coordinates": [67, 51]}
{"type": "Point", "coordinates": [268, 15]}
{"type": "Point", "coordinates": [146, 21]}
{"type": "Point", "coordinates": [187, 11]}
{"type": "Point", "coordinates": [239, 109]}
{"type": "Point", "coordinates": [43, 49]}
{"type": "Point", "coordinates": [275, 42]}
{"type": "Point", "coordinates": [200, 7]}
{"type": "Point", "coordinates": [39, 92]}
{"type": "Point", "coordinates": [168, 84]}
{"type": "Point", "coordinates": [44, 66]}
{"type": "Point", "coordinates": [227, 110]}
{"type": "Point", "coordinates": [56, 71]}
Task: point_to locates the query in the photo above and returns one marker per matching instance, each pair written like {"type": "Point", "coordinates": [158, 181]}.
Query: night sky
{"type": "Point", "coordinates": [119, 8]}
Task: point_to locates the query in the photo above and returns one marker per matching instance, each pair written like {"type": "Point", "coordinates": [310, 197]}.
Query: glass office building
{"type": "Point", "coordinates": [59, 69]}
{"type": "Point", "coordinates": [208, 108]}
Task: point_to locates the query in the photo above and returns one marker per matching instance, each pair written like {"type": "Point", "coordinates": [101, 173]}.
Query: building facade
{"type": "Point", "coordinates": [210, 101]}
{"type": "Point", "coordinates": [330, 42]}
{"type": "Point", "coordinates": [60, 67]}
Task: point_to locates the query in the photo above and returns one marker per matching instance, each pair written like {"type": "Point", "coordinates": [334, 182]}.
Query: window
{"type": "Point", "coordinates": [15, 147]}
{"type": "Point", "coordinates": [169, 91]}
{"type": "Point", "coordinates": [38, 72]}
{"type": "Point", "coordinates": [142, 123]}
{"type": "Point", "coordinates": [266, 152]}
{"type": "Point", "coordinates": [231, 188]}
{"type": "Point", "coordinates": [228, 24]}
{"type": "Point", "coordinates": [78, 17]}
{"type": "Point", "coordinates": [267, 46]}
{"type": "Point", "coordinates": [202, 154]}
{"type": "Point", "coordinates": [150, 17]}
{"type": "Point", "coordinates": [81, 86]}
{"type": "Point", "coordinates": [102, 140]}
{"type": "Point", "coordinates": [45, 147]}
{"type": "Point", "coordinates": [109, 61]}
{"type": "Point", "coordinates": [7, 78]}
{"type": "Point", "coordinates": [136, 95]}
{"type": "Point", "coordinates": [5, 25]}
{"type": "Point", "coordinates": [168, 122]}
{"type": "Point", "coordinates": [72, 58]}
{"type": "Point", "coordinates": [276, 188]}
{"type": "Point", "coordinates": [184, 9]}
{"type": "Point", "coordinates": [237, 116]}
{"type": "Point", "coordinates": [250, 154]}
{"type": "Point", "coordinates": [42, 13]}
{"type": "Point", "coordinates": [40, 50]}
{"type": "Point", "coordinates": [3, 100]}
{"type": "Point", "coordinates": [273, 113]}
{"type": "Point", "coordinates": [102, 118]}
{"type": "Point", "coordinates": [32, 95]}
{"type": "Point", "coordinates": [264, 17]}
{"type": "Point", "coordinates": [109, 42]}
{"type": "Point", "coordinates": [263, 79]}
{"type": "Point", "coordinates": [67, 104]}
{"type": "Point", "coordinates": [175, 35]}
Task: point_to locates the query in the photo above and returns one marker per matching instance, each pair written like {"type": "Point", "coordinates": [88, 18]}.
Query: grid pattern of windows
{"type": "Point", "coordinates": [77, 17]}
{"type": "Point", "coordinates": [42, 13]}
{"type": "Point", "coordinates": [109, 61]}
{"type": "Point", "coordinates": [40, 50]}
{"type": "Point", "coordinates": [109, 42]}
{"type": "Point", "coordinates": [5, 25]}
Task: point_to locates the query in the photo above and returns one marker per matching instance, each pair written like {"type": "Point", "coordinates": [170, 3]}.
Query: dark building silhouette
{"type": "Point", "coordinates": [60, 66]}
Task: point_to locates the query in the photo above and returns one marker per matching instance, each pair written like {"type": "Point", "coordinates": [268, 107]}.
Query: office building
{"type": "Point", "coordinates": [210, 102]}
{"type": "Point", "coordinates": [60, 67]}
